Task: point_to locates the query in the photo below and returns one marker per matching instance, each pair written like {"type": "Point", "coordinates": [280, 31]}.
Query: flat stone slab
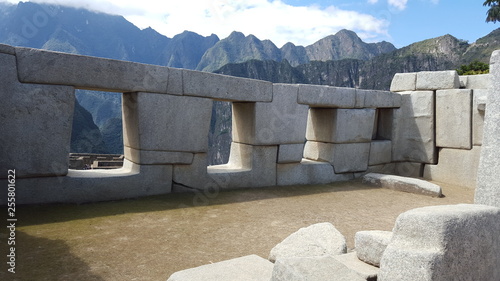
{"type": "Point", "coordinates": [319, 268]}
{"type": "Point", "coordinates": [404, 82]}
{"type": "Point", "coordinates": [405, 184]}
{"type": "Point", "coordinates": [327, 96]}
{"type": "Point", "coordinates": [90, 73]}
{"type": "Point", "coordinates": [247, 268]}
{"type": "Point", "coordinates": [315, 240]}
{"type": "Point", "coordinates": [437, 80]}
{"type": "Point", "coordinates": [351, 260]}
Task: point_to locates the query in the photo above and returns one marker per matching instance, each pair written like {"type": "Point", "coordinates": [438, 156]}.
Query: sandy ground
{"type": "Point", "coordinates": [150, 238]}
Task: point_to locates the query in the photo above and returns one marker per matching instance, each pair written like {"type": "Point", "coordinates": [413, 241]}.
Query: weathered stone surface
{"type": "Point", "coordinates": [370, 245]}
{"type": "Point", "coordinates": [227, 88]}
{"type": "Point", "coordinates": [409, 169]}
{"type": "Point", "coordinates": [282, 121]}
{"type": "Point", "coordinates": [403, 184]}
{"type": "Point", "coordinates": [175, 82]}
{"type": "Point", "coordinates": [455, 166]}
{"type": "Point", "coordinates": [246, 164]}
{"type": "Point", "coordinates": [194, 175]}
{"type": "Point", "coordinates": [308, 172]}
{"type": "Point", "coordinates": [315, 240]}
{"type": "Point", "coordinates": [327, 96]}
{"type": "Point", "coordinates": [389, 168]}
{"type": "Point", "coordinates": [82, 186]}
{"type": "Point", "coordinates": [437, 80]}
{"type": "Point", "coordinates": [413, 137]}
{"type": "Point", "coordinates": [7, 49]}
{"type": "Point", "coordinates": [488, 182]}
{"type": "Point", "coordinates": [444, 243]}
{"type": "Point", "coordinates": [290, 153]}
{"type": "Point", "coordinates": [340, 125]}
{"type": "Point", "coordinates": [454, 118]}
{"type": "Point", "coordinates": [345, 157]}
{"type": "Point", "coordinates": [478, 109]}
{"type": "Point", "coordinates": [165, 122]}
{"type": "Point", "coordinates": [247, 268]}
{"type": "Point", "coordinates": [319, 268]}
{"type": "Point", "coordinates": [481, 81]}
{"type": "Point", "coordinates": [36, 125]}
{"type": "Point", "coordinates": [404, 82]}
{"type": "Point", "coordinates": [155, 157]}
{"type": "Point", "coordinates": [377, 99]}
{"type": "Point", "coordinates": [351, 261]}
{"type": "Point", "coordinates": [380, 152]}
{"type": "Point", "coordinates": [92, 73]}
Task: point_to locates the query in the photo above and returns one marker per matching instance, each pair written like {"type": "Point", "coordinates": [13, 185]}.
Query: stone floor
{"type": "Point", "coordinates": [150, 238]}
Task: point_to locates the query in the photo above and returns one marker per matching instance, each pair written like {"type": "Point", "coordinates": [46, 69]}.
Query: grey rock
{"type": "Point", "coordinates": [315, 240]}
{"type": "Point", "coordinates": [326, 96]}
{"type": "Point", "coordinates": [454, 118]}
{"type": "Point", "coordinates": [403, 184]}
{"type": "Point", "coordinates": [409, 169]}
{"type": "Point", "coordinates": [413, 135]}
{"type": "Point", "coordinates": [308, 172]}
{"type": "Point", "coordinates": [247, 268]}
{"type": "Point", "coordinates": [227, 88]}
{"type": "Point", "coordinates": [7, 49]}
{"type": "Point", "coordinates": [318, 268]}
{"type": "Point", "coordinates": [404, 82]}
{"type": "Point", "coordinates": [90, 73]}
{"type": "Point", "coordinates": [451, 242]}
{"type": "Point", "coordinates": [377, 99]}
{"type": "Point", "coordinates": [481, 81]}
{"type": "Point", "coordinates": [488, 182]}
{"type": "Point", "coordinates": [165, 122]}
{"type": "Point", "coordinates": [437, 80]}
{"type": "Point", "coordinates": [154, 157]}
{"type": "Point", "coordinates": [36, 125]}
{"type": "Point", "coordinates": [290, 153]}
{"type": "Point", "coordinates": [380, 152]}
{"type": "Point", "coordinates": [363, 269]}
{"type": "Point", "coordinates": [478, 110]}
{"type": "Point", "coordinates": [370, 245]}
{"type": "Point", "coordinates": [345, 157]}
{"type": "Point", "coordinates": [456, 166]}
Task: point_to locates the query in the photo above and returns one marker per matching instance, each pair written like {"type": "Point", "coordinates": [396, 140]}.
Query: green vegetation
{"type": "Point", "coordinates": [493, 14]}
{"type": "Point", "coordinates": [473, 68]}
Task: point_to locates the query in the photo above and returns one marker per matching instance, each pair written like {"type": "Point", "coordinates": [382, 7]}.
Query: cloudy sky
{"type": "Point", "coordinates": [303, 22]}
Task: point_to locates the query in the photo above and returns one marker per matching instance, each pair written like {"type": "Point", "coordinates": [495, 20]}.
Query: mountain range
{"type": "Point", "coordinates": [342, 59]}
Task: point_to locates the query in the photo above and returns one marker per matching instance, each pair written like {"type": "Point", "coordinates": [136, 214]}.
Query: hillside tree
{"type": "Point", "coordinates": [493, 13]}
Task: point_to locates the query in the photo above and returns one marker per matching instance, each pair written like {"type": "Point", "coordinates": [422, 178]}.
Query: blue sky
{"type": "Point", "coordinates": [303, 22]}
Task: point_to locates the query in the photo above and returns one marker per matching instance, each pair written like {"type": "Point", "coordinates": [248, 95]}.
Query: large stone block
{"type": "Point", "coordinates": [327, 96]}
{"type": "Point", "coordinates": [481, 81]}
{"type": "Point", "coordinates": [91, 73]}
{"type": "Point", "coordinates": [195, 175]}
{"type": "Point", "coordinates": [165, 122]}
{"type": "Point", "coordinates": [155, 157]}
{"type": "Point", "coordinates": [290, 153]}
{"type": "Point", "coordinates": [413, 137]}
{"type": "Point", "coordinates": [454, 118]}
{"type": "Point", "coordinates": [366, 271]}
{"type": "Point", "coordinates": [247, 268]}
{"type": "Point", "coordinates": [319, 268]}
{"type": "Point", "coordinates": [405, 184]}
{"type": "Point", "coordinates": [377, 99]}
{"type": "Point", "coordinates": [7, 49]}
{"type": "Point", "coordinates": [315, 240]}
{"type": "Point", "coordinates": [409, 169]}
{"type": "Point", "coordinates": [404, 82]}
{"type": "Point", "coordinates": [444, 243]}
{"type": "Point", "coordinates": [340, 125]}
{"type": "Point", "coordinates": [227, 88]}
{"type": "Point", "coordinates": [36, 123]}
{"type": "Point", "coordinates": [370, 245]}
{"type": "Point", "coordinates": [248, 166]}
{"type": "Point", "coordinates": [380, 152]}
{"type": "Point", "coordinates": [83, 186]}
{"type": "Point", "coordinates": [282, 121]}
{"type": "Point", "coordinates": [478, 109]}
{"type": "Point", "coordinates": [345, 157]}
{"type": "Point", "coordinates": [308, 172]}
{"type": "Point", "coordinates": [488, 182]}
{"type": "Point", "coordinates": [437, 80]}
{"type": "Point", "coordinates": [455, 166]}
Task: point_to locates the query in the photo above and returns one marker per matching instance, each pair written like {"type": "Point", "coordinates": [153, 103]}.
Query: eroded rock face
{"type": "Point", "coordinates": [370, 245]}
{"type": "Point", "coordinates": [443, 243]}
{"type": "Point", "coordinates": [315, 240]}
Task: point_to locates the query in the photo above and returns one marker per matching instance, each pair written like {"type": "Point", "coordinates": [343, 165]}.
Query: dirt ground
{"type": "Point", "coordinates": [150, 238]}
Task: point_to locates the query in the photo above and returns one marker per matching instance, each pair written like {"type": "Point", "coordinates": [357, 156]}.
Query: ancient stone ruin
{"type": "Point", "coordinates": [431, 125]}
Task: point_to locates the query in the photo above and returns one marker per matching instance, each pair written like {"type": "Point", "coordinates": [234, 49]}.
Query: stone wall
{"type": "Point", "coordinates": [427, 125]}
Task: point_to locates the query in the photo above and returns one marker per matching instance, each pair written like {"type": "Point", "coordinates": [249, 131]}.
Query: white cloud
{"type": "Point", "coordinates": [266, 19]}
{"type": "Point", "coordinates": [398, 4]}
{"type": "Point", "coordinates": [372, 1]}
